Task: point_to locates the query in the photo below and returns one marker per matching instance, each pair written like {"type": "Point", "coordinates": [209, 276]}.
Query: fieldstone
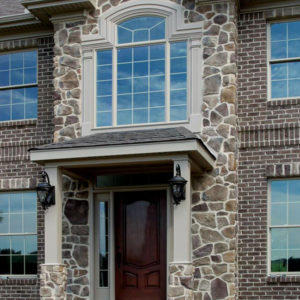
{"type": "Point", "coordinates": [229, 232]}
{"type": "Point", "coordinates": [209, 131]}
{"type": "Point", "coordinates": [207, 52]}
{"type": "Point", "coordinates": [203, 182]}
{"type": "Point", "coordinates": [210, 41]}
{"type": "Point", "coordinates": [223, 37]}
{"type": "Point", "coordinates": [203, 251]}
{"type": "Point", "coordinates": [212, 84]}
{"type": "Point", "coordinates": [222, 222]}
{"type": "Point", "coordinates": [229, 256]}
{"type": "Point", "coordinates": [229, 69]}
{"type": "Point", "coordinates": [76, 93]}
{"type": "Point", "coordinates": [75, 105]}
{"type": "Point", "coordinates": [69, 81]}
{"type": "Point", "coordinates": [220, 8]}
{"type": "Point", "coordinates": [209, 235]}
{"type": "Point", "coordinates": [69, 61]}
{"type": "Point", "coordinates": [80, 230]}
{"type": "Point", "coordinates": [206, 297]}
{"type": "Point", "coordinates": [73, 50]}
{"type": "Point", "coordinates": [231, 205]}
{"type": "Point", "coordinates": [206, 219]}
{"type": "Point", "coordinates": [211, 101]}
{"type": "Point", "coordinates": [215, 143]}
{"type": "Point", "coordinates": [228, 94]}
{"type": "Point", "coordinates": [217, 60]}
{"type": "Point", "coordinates": [210, 71]}
{"type": "Point", "coordinates": [200, 207]}
{"type": "Point", "coordinates": [222, 109]}
{"type": "Point", "coordinates": [68, 132]}
{"type": "Point", "coordinates": [220, 19]}
{"type": "Point", "coordinates": [195, 197]}
{"type": "Point", "coordinates": [230, 145]}
{"type": "Point", "coordinates": [57, 51]}
{"type": "Point", "coordinates": [85, 292]}
{"type": "Point", "coordinates": [229, 27]}
{"type": "Point", "coordinates": [218, 289]}
{"type": "Point", "coordinates": [213, 30]}
{"type": "Point", "coordinates": [206, 271]}
{"type": "Point", "coordinates": [45, 292]}
{"type": "Point", "coordinates": [82, 280]}
{"type": "Point", "coordinates": [189, 4]}
{"type": "Point", "coordinates": [223, 130]}
{"type": "Point", "coordinates": [74, 37]}
{"type": "Point", "coordinates": [204, 9]}
{"type": "Point", "coordinates": [187, 282]}
{"type": "Point", "coordinates": [231, 162]}
{"type": "Point", "coordinates": [215, 118]}
{"type": "Point", "coordinates": [173, 269]}
{"type": "Point", "coordinates": [77, 211]}
{"type": "Point", "coordinates": [74, 289]}
{"type": "Point", "coordinates": [219, 269]}
{"type": "Point", "coordinates": [63, 110]}
{"type": "Point", "coordinates": [65, 228]}
{"type": "Point", "coordinates": [216, 193]}
{"type": "Point", "coordinates": [196, 241]}
{"type": "Point", "coordinates": [204, 285]}
{"type": "Point", "coordinates": [80, 254]}
{"type": "Point", "coordinates": [228, 277]}
{"type": "Point", "coordinates": [62, 37]}
{"type": "Point", "coordinates": [175, 291]}
{"type": "Point", "coordinates": [79, 273]}
{"type": "Point", "coordinates": [202, 261]}
{"type": "Point", "coordinates": [71, 120]}
{"type": "Point", "coordinates": [83, 185]}
{"type": "Point", "coordinates": [197, 296]}
{"type": "Point", "coordinates": [82, 195]}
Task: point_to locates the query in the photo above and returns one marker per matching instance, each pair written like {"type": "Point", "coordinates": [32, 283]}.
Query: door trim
{"type": "Point", "coordinates": [109, 193]}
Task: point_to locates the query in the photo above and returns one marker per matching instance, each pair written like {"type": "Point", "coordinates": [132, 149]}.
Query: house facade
{"type": "Point", "coordinates": [112, 99]}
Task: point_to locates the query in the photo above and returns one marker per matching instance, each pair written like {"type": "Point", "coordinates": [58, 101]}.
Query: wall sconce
{"type": "Point", "coordinates": [45, 191]}
{"type": "Point", "coordinates": [177, 184]}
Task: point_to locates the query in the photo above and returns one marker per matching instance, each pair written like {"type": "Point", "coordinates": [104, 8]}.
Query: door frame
{"type": "Point", "coordinates": [108, 195]}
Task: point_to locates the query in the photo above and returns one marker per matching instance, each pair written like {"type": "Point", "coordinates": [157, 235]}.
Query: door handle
{"type": "Point", "coordinates": [118, 259]}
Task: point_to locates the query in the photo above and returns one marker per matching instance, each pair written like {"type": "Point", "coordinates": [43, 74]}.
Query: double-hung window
{"type": "Point", "coordinates": [143, 79]}
{"type": "Point", "coordinates": [18, 86]}
{"type": "Point", "coordinates": [284, 226]}
{"type": "Point", "coordinates": [18, 233]}
{"type": "Point", "coordinates": [285, 60]}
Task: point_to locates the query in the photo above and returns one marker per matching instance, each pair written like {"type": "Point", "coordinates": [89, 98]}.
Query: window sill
{"type": "Point", "coordinates": [18, 280]}
{"type": "Point", "coordinates": [283, 102]}
{"type": "Point", "coordinates": [18, 123]}
{"type": "Point", "coordinates": [282, 278]}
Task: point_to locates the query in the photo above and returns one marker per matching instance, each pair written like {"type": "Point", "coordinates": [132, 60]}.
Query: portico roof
{"type": "Point", "coordinates": [164, 141]}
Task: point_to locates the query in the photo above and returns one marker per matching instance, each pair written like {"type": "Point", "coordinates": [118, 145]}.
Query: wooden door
{"type": "Point", "coordinates": [140, 241]}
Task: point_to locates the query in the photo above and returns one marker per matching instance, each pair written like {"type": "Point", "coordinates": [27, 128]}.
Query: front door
{"type": "Point", "coordinates": [140, 245]}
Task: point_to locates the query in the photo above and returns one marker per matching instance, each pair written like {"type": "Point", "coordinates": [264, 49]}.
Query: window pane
{"type": "Point", "coordinates": [293, 214]}
{"type": "Point", "coordinates": [18, 112]}
{"type": "Point", "coordinates": [16, 203]}
{"type": "Point", "coordinates": [178, 49]}
{"type": "Point", "coordinates": [17, 263]}
{"type": "Point", "coordinates": [30, 222]}
{"type": "Point", "coordinates": [16, 60]}
{"type": "Point", "coordinates": [124, 55]}
{"type": "Point", "coordinates": [104, 57]}
{"type": "Point", "coordinates": [294, 188]}
{"type": "Point", "coordinates": [278, 214]}
{"type": "Point", "coordinates": [4, 245]}
{"type": "Point", "coordinates": [157, 83]}
{"type": "Point", "coordinates": [293, 238]}
{"type": "Point", "coordinates": [5, 113]}
{"type": "Point", "coordinates": [16, 76]}
{"type": "Point", "coordinates": [178, 97]}
{"type": "Point", "coordinates": [294, 260]}
{"type": "Point", "coordinates": [178, 113]}
{"type": "Point", "coordinates": [18, 96]}
{"type": "Point", "coordinates": [125, 101]}
{"type": "Point", "coordinates": [178, 81]}
{"type": "Point", "coordinates": [157, 114]}
{"type": "Point", "coordinates": [30, 75]}
{"type": "Point", "coordinates": [279, 261]}
{"type": "Point", "coordinates": [4, 78]}
{"type": "Point", "coordinates": [279, 32]}
{"type": "Point", "coordinates": [124, 86]}
{"type": "Point", "coordinates": [30, 59]}
{"type": "Point", "coordinates": [279, 89]}
{"type": "Point", "coordinates": [140, 100]}
{"type": "Point", "coordinates": [294, 88]}
{"type": "Point", "coordinates": [124, 117]}
{"type": "Point", "coordinates": [125, 70]}
{"type": "Point", "coordinates": [5, 97]}
{"type": "Point", "coordinates": [294, 48]}
{"type": "Point", "coordinates": [31, 264]}
{"type": "Point", "coordinates": [140, 69]}
{"type": "Point", "coordinates": [140, 53]}
{"type": "Point", "coordinates": [140, 116]}
{"type": "Point", "coordinates": [103, 279]}
{"type": "Point", "coordinates": [16, 221]}
{"type": "Point", "coordinates": [17, 245]}
{"type": "Point", "coordinates": [104, 103]}
{"type": "Point", "coordinates": [4, 226]}
{"type": "Point", "coordinates": [157, 52]}
{"type": "Point", "coordinates": [4, 264]}
{"type": "Point", "coordinates": [157, 67]}
{"type": "Point", "coordinates": [279, 238]}
{"type": "Point", "coordinates": [31, 95]}
{"type": "Point", "coordinates": [279, 71]}
{"type": "Point", "coordinates": [4, 62]}
{"type": "Point", "coordinates": [142, 29]}
{"type": "Point", "coordinates": [30, 110]}
{"type": "Point", "coordinates": [4, 203]}
{"type": "Point", "coordinates": [104, 88]}
{"type": "Point", "coordinates": [157, 99]}
{"type": "Point", "coordinates": [140, 84]}
{"type": "Point", "coordinates": [104, 119]}
{"type": "Point", "coordinates": [104, 72]}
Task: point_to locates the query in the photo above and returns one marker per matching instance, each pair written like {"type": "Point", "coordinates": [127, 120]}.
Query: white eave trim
{"type": "Point", "coordinates": [267, 5]}
{"type": "Point", "coordinates": [192, 147]}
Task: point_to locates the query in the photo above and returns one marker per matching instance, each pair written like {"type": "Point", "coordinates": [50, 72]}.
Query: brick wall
{"type": "Point", "coordinates": [16, 170]}
{"type": "Point", "coordinates": [10, 7]}
{"type": "Point", "coordinates": [268, 136]}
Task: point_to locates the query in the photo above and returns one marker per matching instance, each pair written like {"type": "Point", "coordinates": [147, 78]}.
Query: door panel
{"type": "Point", "coordinates": [140, 240]}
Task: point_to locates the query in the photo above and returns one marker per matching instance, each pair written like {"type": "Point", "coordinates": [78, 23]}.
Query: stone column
{"type": "Point", "coordinates": [53, 281]}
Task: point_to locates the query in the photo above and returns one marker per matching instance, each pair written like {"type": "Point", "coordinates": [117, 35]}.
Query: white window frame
{"type": "Point", "coordinates": [269, 253]}
{"type": "Point", "coordinates": [176, 30]}
{"type": "Point", "coordinates": [272, 61]}
{"type": "Point", "coordinates": [21, 234]}
{"type": "Point", "coordinates": [20, 86]}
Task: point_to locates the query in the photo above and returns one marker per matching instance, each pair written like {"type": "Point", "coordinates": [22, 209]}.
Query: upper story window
{"type": "Point", "coordinates": [18, 86]}
{"type": "Point", "coordinates": [18, 233]}
{"type": "Point", "coordinates": [285, 225]}
{"type": "Point", "coordinates": [144, 78]}
{"type": "Point", "coordinates": [285, 59]}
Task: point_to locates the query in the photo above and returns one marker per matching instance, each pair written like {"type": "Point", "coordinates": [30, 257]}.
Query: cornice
{"type": "Point", "coordinates": [262, 5]}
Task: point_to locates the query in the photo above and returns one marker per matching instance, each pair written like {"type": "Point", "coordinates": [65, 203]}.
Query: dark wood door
{"type": "Point", "coordinates": [140, 224]}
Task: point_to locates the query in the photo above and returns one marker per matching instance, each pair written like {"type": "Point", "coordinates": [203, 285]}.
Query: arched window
{"type": "Point", "coordinates": [144, 68]}
{"type": "Point", "coordinates": [150, 80]}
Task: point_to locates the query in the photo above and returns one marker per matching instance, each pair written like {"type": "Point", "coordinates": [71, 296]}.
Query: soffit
{"type": "Point", "coordinates": [45, 9]}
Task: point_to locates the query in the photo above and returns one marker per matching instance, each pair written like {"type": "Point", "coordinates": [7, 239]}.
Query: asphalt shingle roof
{"type": "Point", "coordinates": [125, 137]}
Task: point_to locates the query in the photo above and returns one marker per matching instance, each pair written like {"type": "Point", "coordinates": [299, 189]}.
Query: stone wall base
{"type": "Point", "coordinates": [53, 281]}
{"type": "Point", "coordinates": [181, 282]}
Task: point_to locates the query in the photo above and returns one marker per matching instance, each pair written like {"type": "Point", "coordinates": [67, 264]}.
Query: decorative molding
{"type": "Point", "coordinates": [262, 5]}
{"type": "Point", "coordinates": [17, 184]}
{"type": "Point", "coordinates": [283, 170]}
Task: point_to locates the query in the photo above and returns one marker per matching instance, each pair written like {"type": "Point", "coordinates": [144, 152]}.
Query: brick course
{"type": "Point", "coordinates": [268, 147]}
{"type": "Point", "coordinates": [17, 172]}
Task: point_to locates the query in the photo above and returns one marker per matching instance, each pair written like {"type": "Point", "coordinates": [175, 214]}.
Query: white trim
{"type": "Point", "coordinates": [271, 61]}
{"type": "Point", "coordinates": [264, 5]}
{"type": "Point", "coordinates": [176, 30]}
{"type": "Point", "coordinates": [193, 147]}
{"type": "Point", "coordinates": [269, 250]}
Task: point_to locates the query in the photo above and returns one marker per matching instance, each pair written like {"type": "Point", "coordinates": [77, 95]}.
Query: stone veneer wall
{"type": "Point", "coordinates": [211, 275]}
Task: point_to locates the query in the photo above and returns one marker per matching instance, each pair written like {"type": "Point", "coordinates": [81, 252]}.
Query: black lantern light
{"type": "Point", "coordinates": [45, 191]}
{"type": "Point", "coordinates": [177, 184]}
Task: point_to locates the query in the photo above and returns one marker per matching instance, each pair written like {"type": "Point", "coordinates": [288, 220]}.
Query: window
{"type": "Point", "coordinates": [144, 78]}
{"type": "Point", "coordinates": [285, 225]}
{"type": "Point", "coordinates": [285, 59]}
{"type": "Point", "coordinates": [18, 86]}
{"type": "Point", "coordinates": [18, 234]}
